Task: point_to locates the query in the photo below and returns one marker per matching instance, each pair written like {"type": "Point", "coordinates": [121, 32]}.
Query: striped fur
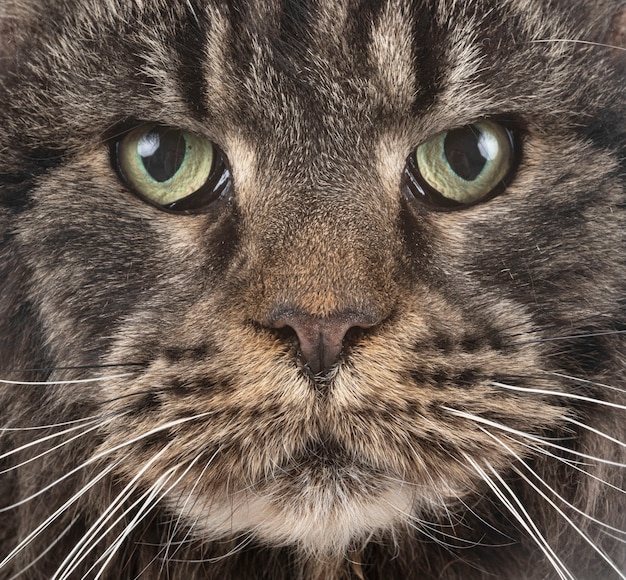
{"type": "Point", "coordinates": [476, 430]}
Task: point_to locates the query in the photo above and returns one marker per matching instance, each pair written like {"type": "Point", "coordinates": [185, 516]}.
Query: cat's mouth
{"type": "Point", "coordinates": [329, 464]}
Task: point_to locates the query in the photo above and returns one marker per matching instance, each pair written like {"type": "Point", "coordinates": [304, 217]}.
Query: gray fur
{"type": "Point", "coordinates": [511, 310]}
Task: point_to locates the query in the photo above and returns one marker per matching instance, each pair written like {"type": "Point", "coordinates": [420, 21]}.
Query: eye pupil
{"type": "Point", "coordinates": [162, 152]}
{"type": "Point", "coordinates": [467, 152]}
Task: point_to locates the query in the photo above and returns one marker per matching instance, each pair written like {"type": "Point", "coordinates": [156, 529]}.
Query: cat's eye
{"type": "Point", "coordinates": [170, 168]}
{"type": "Point", "coordinates": [463, 166]}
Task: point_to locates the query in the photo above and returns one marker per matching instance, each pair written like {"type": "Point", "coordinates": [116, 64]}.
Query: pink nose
{"type": "Point", "coordinates": [321, 339]}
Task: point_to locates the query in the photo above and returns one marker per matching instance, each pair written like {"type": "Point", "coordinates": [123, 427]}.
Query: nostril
{"type": "Point", "coordinates": [321, 339]}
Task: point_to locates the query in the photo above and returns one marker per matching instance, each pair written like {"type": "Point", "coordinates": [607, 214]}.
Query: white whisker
{"type": "Point", "coordinates": [570, 463]}
{"type": "Point", "coordinates": [568, 337]}
{"type": "Point", "coordinates": [559, 394]}
{"type": "Point", "coordinates": [422, 525]}
{"type": "Point", "coordinates": [553, 491]}
{"type": "Point", "coordinates": [48, 437]}
{"type": "Point", "coordinates": [67, 382]}
{"type": "Point", "coordinates": [41, 527]}
{"type": "Point", "coordinates": [486, 523]}
{"type": "Point", "coordinates": [51, 450]}
{"type": "Point", "coordinates": [576, 41]}
{"type": "Point", "coordinates": [597, 432]}
{"type": "Point", "coordinates": [193, 12]}
{"type": "Point", "coordinates": [48, 548]}
{"type": "Point", "coordinates": [153, 499]}
{"type": "Point", "coordinates": [53, 425]}
{"type": "Point", "coordinates": [587, 382]}
{"type": "Point", "coordinates": [248, 538]}
{"type": "Point", "coordinates": [148, 501]}
{"type": "Point", "coordinates": [522, 516]}
{"type": "Point", "coordinates": [428, 532]}
{"type": "Point", "coordinates": [78, 552]}
{"type": "Point", "coordinates": [184, 506]}
{"type": "Point", "coordinates": [572, 524]}
{"type": "Point", "coordinates": [541, 440]}
{"type": "Point", "coordinates": [616, 538]}
{"type": "Point", "coordinates": [103, 454]}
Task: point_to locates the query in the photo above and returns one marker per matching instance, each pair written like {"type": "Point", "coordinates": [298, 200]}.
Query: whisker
{"type": "Point", "coordinates": [576, 41]}
{"type": "Point", "coordinates": [148, 504]}
{"type": "Point", "coordinates": [103, 454]}
{"type": "Point", "coordinates": [67, 382]}
{"type": "Point", "coordinates": [429, 532]}
{"type": "Point", "coordinates": [437, 530]}
{"type": "Point", "coordinates": [553, 491]}
{"type": "Point", "coordinates": [570, 463]}
{"type": "Point", "coordinates": [42, 527]}
{"type": "Point", "coordinates": [559, 394]}
{"type": "Point", "coordinates": [587, 382]}
{"type": "Point", "coordinates": [182, 509]}
{"type": "Point", "coordinates": [74, 557]}
{"type": "Point", "coordinates": [571, 523]}
{"type": "Point", "coordinates": [48, 548]}
{"type": "Point", "coordinates": [488, 524]}
{"type": "Point", "coordinates": [597, 432]}
{"type": "Point", "coordinates": [148, 500]}
{"type": "Point", "coordinates": [52, 449]}
{"type": "Point", "coordinates": [568, 337]}
{"type": "Point", "coordinates": [49, 437]}
{"type": "Point", "coordinates": [52, 425]}
{"type": "Point", "coordinates": [170, 541]}
{"type": "Point", "coordinates": [541, 440]}
{"type": "Point", "coordinates": [193, 12]}
{"type": "Point", "coordinates": [616, 538]}
{"type": "Point", "coordinates": [248, 539]}
{"type": "Point", "coordinates": [73, 368]}
{"type": "Point", "coordinates": [522, 516]}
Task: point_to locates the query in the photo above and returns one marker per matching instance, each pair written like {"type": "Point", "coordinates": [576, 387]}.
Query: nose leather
{"type": "Point", "coordinates": [321, 339]}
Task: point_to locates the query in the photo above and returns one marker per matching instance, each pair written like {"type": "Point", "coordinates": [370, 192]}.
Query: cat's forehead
{"type": "Point", "coordinates": [326, 76]}
{"type": "Point", "coordinates": [340, 41]}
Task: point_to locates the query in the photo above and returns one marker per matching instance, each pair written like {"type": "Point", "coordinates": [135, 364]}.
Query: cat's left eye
{"type": "Point", "coordinates": [171, 168]}
{"type": "Point", "coordinates": [463, 166]}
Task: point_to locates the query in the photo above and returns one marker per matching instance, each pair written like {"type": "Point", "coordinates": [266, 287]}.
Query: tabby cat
{"type": "Point", "coordinates": [312, 289]}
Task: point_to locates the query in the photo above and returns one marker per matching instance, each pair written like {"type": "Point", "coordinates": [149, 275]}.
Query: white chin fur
{"type": "Point", "coordinates": [323, 526]}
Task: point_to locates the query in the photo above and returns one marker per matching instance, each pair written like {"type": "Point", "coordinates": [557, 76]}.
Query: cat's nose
{"type": "Point", "coordinates": [321, 339]}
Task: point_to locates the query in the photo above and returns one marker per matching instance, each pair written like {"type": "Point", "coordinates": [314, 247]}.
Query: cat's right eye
{"type": "Point", "coordinates": [171, 169]}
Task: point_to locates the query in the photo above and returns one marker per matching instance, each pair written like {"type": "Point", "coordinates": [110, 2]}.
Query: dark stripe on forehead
{"type": "Point", "coordinates": [300, 35]}
{"type": "Point", "coordinates": [295, 51]}
{"type": "Point", "coordinates": [190, 40]}
{"type": "Point", "coordinates": [361, 17]}
{"type": "Point", "coordinates": [429, 40]}
{"type": "Point", "coordinates": [300, 17]}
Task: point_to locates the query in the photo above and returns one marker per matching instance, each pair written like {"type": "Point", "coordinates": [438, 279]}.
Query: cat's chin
{"type": "Point", "coordinates": [321, 522]}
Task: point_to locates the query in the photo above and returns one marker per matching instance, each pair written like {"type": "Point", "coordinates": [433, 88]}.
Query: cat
{"type": "Point", "coordinates": [312, 289]}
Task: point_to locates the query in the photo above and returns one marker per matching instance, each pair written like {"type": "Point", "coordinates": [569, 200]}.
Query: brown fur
{"type": "Point", "coordinates": [492, 341]}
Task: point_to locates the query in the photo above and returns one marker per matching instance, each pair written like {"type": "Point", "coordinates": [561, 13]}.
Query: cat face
{"type": "Point", "coordinates": [330, 270]}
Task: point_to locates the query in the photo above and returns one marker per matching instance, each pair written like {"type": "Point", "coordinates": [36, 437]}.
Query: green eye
{"type": "Point", "coordinates": [171, 168]}
{"type": "Point", "coordinates": [460, 167]}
